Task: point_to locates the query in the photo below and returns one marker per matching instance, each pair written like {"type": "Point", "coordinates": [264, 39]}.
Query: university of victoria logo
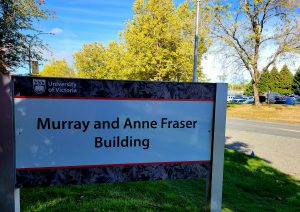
{"type": "Point", "coordinates": [39, 86]}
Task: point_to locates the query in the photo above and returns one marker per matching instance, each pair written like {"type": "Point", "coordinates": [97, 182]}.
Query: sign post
{"type": "Point", "coordinates": [9, 195]}
{"type": "Point", "coordinates": [124, 130]}
{"type": "Point", "coordinates": [218, 148]}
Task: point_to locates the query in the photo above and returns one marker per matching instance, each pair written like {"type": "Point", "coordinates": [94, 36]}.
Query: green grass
{"type": "Point", "coordinates": [231, 105]}
{"type": "Point", "coordinates": [250, 184]}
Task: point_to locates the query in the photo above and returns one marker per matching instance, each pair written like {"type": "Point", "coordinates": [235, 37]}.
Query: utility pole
{"type": "Point", "coordinates": [29, 48]}
{"type": "Point", "coordinates": [196, 44]}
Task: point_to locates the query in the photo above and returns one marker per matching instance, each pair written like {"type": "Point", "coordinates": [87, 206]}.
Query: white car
{"type": "Point", "coordinates": [230, 98]}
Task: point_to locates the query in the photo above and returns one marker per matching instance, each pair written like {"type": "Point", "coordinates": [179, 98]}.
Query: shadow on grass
{"type": "Point", "coordinates": [241, 147]}
{"type": "Point", "coordinates": [252, 185]}
{"type": "Point", "coordinates": [236, 145]}
{"type": "Point", "coordinates": [249, 184]}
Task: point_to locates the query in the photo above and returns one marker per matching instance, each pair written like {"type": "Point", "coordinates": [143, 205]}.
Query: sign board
{"type": "Point", "coordinates": [76, 131]}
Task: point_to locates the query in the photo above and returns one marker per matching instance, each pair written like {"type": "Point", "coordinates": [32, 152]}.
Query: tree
{"type": "Point", "coordinates": [249, 26]}
{"type": "Point", "coordinates": [98, 61]}
{"type": "Point", "coordinates": [90, 61]}
{"type": "Point", "coordinates": [285, 80]}
{"type": "Point", "coordinates": [248, 89]}
{"type": "Point", "coordinates": [157, 44]}
{"type": "Point", "coordinates": [16, 23]}
{"type": "Point", "coordinates": [57, 68]}
{"type": "Point", "coordinates": [265, 82]}
{"type": "Point", "coordinates": [274, 79]}
{"type": "Point", "coordinates": [115, 61]}
{"type": "Point", "coordinates": [159, 41]}
{"type": "Point", "coordinates": [296, 83]}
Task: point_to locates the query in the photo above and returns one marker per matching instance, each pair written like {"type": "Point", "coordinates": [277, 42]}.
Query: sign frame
{"type": "Point", "coordinates": [10, 195]}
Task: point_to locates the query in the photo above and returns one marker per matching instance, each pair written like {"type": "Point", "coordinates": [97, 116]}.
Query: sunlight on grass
{"type": "Point", "coordinates": [226, 210]}
{"type": "Point", "coordinates": [45, 205]}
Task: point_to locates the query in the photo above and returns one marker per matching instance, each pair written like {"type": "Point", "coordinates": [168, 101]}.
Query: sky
{"type": "Point", "coordinates": [85, 21]}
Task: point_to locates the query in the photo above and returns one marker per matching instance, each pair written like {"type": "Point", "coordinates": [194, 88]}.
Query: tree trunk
{"type": "Point", "coordinates": [256, 94]}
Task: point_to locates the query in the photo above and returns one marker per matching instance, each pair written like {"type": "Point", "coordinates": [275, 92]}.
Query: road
{"type": "Point", "coordinates": [276, 143]}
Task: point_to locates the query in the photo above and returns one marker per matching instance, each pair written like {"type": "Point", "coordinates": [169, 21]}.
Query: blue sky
{"type": "Point", "coordinates": [85, 21]}
{"type": "Point", "coordinates": [82, 21]}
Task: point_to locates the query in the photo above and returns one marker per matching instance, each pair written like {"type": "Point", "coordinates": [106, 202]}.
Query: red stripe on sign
{"type": "Point", "coordinates": [112, 98]}
{"type": "Point", "coordinates": [105, 165]}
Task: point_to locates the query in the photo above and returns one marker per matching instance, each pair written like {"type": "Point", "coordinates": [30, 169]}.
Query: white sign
{"type": "Point", "coordinates": [53, 132]}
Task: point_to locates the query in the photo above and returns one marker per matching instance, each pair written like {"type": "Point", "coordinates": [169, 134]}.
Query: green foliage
{"type": "Point", "coordinates": [157, 44]}
{"type": "Point", "coordinates": [265, 82]}
{"type": "Point", "coordinates": [17, 32]}
{"type": "Point", "coordinates": [280, 82]}
{"type": "Point", "coordinates": [248, 89]}
{"type": "Point", "coordinates": [159, 41]}
{"type": "Point", "coordinates": [57, 68]}
{"type": "Point", "coordinates": [244, 29]}
{"type": "Point", "coordinates": [90, 61]}
{"type": "Point", "coordinates": [250, 184]}
{"type": "Point", "coordinates": [115, 60]}
{"type": "Point", "coordinates": [285, 81]}
{"type": "Point", "coordinates": [296, 83]}
{"type": "Point", "coordinates": [236, 86]}
{"type": "Point", "coordinates": [274, 79]}
{"type": "Point", "coordinates": [98, 61]}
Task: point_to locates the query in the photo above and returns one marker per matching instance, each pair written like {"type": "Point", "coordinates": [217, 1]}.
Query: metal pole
{"type": "Point", "coordinates": [196, 44]}
{"type": "Point", "coordinates": [9, 195]}
{"type": "Point", "coordinates": [29, 47]}
{"type": "Point", "coordinates": [29, 58]}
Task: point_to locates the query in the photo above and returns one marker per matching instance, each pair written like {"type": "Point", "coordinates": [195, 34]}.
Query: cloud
{"type": "Point", "coordinates": [56, 31]}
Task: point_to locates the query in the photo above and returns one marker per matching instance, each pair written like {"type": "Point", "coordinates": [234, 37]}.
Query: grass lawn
{"type": "Point", "coordinates": [250, 184]}
{"type": "Point", "coordinates": [277, 113]}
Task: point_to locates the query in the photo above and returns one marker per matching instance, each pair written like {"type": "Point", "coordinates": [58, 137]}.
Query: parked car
{"type": "Point", "coordinates": [238, 99]}
{"type": "Point", "coordinates": [290, 101]}
{"type": "Point", "coordinates": [249, 101]}
{"type": "Point", "coordinates": [275, 98]}
{"type": "Point", "coordinates": [248, 97]}
{"type": "Point", "coordinates": [230, 98]}
{"type": "Point", "coordinates": [279, 100]}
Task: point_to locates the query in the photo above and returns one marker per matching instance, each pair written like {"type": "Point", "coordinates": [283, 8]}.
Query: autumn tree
{"type": "Point", "coordinates": [90, 61]}
{"type": "Point", "coordinates": [57, 68]}
{"type": "Point", "coordinates": [296, 83]}
{"type": "Point", "coordinates": [17, 31]}
{"type": "Point", "coordinates": [159, 41]}
{"type": "Point", "coordinates": [115, 61]}
{"type": "Point", "coordinates": [96, 60]}
{"type": "Point", "coordinates": [249, 26]}
{"type": "Point", "coordinates": [157, 44]}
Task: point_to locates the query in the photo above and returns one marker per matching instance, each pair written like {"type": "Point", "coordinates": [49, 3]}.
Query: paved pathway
{"type": "Point", "coordinates": [278, 144]}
